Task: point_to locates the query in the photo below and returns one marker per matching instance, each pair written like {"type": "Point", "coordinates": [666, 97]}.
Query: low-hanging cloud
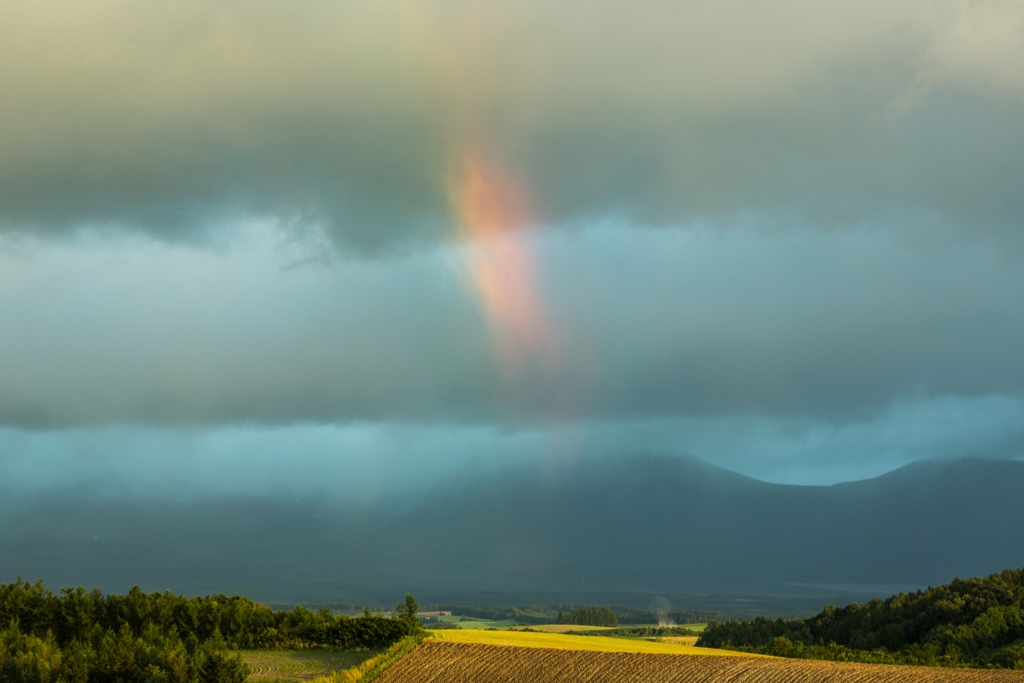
{"type": "Point", "coordinates": [348, 116]}
{"type": "Point", "coordinates": [655, 323]}
{"type": "Point", "coordinates": [385, 463]}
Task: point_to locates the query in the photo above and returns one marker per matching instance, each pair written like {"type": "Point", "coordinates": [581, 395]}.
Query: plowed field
{"type": "Point", "coordinates": [437, 662]}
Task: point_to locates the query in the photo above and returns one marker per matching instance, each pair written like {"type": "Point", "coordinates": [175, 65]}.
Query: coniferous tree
{"type": "Point", "coordinates": [406, 613]}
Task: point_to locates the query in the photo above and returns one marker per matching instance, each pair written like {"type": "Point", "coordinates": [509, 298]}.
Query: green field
{"type": "Point", "coordinates": [560, 628]}
{"type": "Point", "coordinates": [696, 628]}
{"type": "Point", "coordinates": [699, 628]}
{"type": "Point", "coordinates": [471, 623]}
{"type": "Point", "coordinates": [299, 665]}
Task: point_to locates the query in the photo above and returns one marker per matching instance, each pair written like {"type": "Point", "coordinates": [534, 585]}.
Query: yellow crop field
{"type": "Point", "coordinates": [680, 640]}
{"type": "Point", "coordinates": [453, 662]}
{"type": "Point", "coordinates": [568, 642]}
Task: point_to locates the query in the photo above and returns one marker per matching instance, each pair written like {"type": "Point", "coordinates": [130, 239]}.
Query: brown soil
{"type": "Point", "coordinates": [437, 662]}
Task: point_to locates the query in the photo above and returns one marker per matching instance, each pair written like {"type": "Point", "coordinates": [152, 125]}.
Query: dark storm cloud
{"type": "Point", "coordinates": [801, 324]}
{"type": "Point", "coordinates": [349, 116]}
{"type": "Point", "coordinates": [867, 158]}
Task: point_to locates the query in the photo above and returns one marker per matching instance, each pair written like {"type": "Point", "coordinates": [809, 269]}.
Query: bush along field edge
{"type": "Point", "coordinates": [372, 668]}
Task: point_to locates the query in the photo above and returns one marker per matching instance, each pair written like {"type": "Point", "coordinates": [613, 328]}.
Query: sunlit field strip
{"type": "Point", "coordinates": [562, 628]}
{"type": "Point", "coordinates": [559, 641]}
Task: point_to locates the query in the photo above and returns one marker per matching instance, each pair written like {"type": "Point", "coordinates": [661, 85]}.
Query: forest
{"type": "Point", "coordinates": [975, 622]}
{"type": "Point", "coordinates": [84, 636]}
{"type": "Point", "coordinates": [589, 616]}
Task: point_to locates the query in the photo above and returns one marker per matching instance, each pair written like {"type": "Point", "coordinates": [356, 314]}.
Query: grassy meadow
{"type": "Point", "coordinates": [698, 628]}
{"type": "Point", "coordinates": [472, 623]}
{"type": "Point", "coordinates": [299, 665]}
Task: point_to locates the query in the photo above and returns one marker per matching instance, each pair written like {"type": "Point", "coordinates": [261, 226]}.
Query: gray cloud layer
{"type": "Point", "coordinates": [867, 156]}
{"type": "Point", "coordinates": [170, 118]}
{"type": "Point", "coordinates": [387, 462]}
{"type": "Point", "coordinates": [645, 324]}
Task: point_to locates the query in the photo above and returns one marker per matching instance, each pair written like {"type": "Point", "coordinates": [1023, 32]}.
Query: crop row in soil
{"type": "Point", "coordinates": [433, 662]}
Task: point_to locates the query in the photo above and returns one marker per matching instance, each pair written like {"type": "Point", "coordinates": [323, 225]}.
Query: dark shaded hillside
{"type": "Point", "coordinates": [668, 523]}
{"type": "Point", "coordinates": [641, 525]}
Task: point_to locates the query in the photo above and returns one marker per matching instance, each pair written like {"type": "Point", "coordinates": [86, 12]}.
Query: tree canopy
{"type": "Point", "coordinates": [589, 616]}
{"type": "Point", "coordinates": [967, 622]}
{"type": "Point", "coordinates": [83, 636]}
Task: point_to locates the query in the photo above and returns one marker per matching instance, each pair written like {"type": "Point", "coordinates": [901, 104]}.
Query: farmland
{"type": "Point", "coordinates": [562, 628]}
{"type": "Point", "coordinates": [694, 627]}
{"type": "Point", "coordinates": [680, 640]}
{"type": "Point", "coordinates": [298, 665]}
{"type": "Point", "coordinates": [559, 641]}
{"type": "Point", "coordinates": [464, 662]}
{"type": "Point", "coordinates": [472, 623]}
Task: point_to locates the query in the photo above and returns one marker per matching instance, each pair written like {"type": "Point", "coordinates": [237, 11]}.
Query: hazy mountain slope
{"type": "Point", "coordinates": [651, 524]}
{"type": "Point", "coordinates": [669, 523]}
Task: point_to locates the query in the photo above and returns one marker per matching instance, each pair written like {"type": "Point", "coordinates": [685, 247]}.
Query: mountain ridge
{"type": "Point", "coordinates": [653, 524]}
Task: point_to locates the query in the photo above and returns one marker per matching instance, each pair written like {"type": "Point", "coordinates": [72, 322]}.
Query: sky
{"type": "Point", "coordinates": [354, 248]}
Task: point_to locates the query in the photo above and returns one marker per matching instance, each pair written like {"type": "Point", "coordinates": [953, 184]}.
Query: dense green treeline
{"type": "Point", "coordinates": [114, 657]}
{"type": "Point", "coordinates": [237, 621]}
{"type": "Point", "coordinates": [968, 622]}
{"type": "Point", "coordinates": [589, 616]}
{"type": "Point", "coordinates": [88, 637]}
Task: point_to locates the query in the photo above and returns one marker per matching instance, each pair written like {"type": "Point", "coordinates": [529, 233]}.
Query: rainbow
{"type": "Point", "coordinates": [492, 214]}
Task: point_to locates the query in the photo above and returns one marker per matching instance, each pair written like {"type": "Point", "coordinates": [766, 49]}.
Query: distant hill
{"type": "Point", "coordinates": [669, 523]}
{"type": "Point", "coordinates": [637, 525]}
